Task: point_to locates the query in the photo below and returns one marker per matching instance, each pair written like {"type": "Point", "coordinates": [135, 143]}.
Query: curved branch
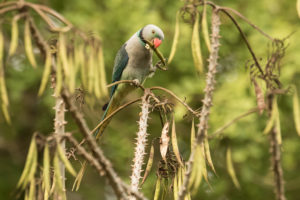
{"type": "Point", "coordinates": [177, 98]}
{"type": "Point", "coordinates": [128, 82]}
{"type": "Point", "coordinates": [221, 129]}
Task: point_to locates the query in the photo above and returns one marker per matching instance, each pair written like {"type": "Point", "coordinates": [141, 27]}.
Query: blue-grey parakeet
{"type": "Point", "coordinates": [133, 62]}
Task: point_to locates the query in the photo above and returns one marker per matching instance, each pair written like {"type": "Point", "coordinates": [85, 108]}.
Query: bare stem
{"type": "Point", "coordinates": [207, 101]}
{"type": "Point", "coordinates": [276, 157]}
{"type": "Point", "coordinates": [139, 152]}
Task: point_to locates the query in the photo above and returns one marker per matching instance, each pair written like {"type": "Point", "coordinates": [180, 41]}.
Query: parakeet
{"type": "Point", "coordinates": [132, 62]}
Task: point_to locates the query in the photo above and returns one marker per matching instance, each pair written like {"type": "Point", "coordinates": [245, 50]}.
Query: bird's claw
{"type": "Point", "coordinates": [136, 82]}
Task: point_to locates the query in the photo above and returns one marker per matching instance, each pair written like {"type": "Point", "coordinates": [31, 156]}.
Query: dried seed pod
{"type": "Point", "coordinates": [196, 48]}
{"type": "Point", "coordinates": [175, 39]}
{"type": "Point", "coordinates": [46, 73]}
{"type": "Point", "coordinates": [164, 141]}
{"type": "Point", "coordinates": [259, 97]}
{"type": "Point", "coordinates": [175, 144]}
{"type": "Point", "coordinates": [296, 109]}
{"type": "Point", "coordinates": [298, 7]}
{"type": "Point", "coordinates": [65, 160]}
{"type": "Point", "coordinates": [14, 36]}
{"type": "Point", "coordinates": [205, 27]}
{"type": "Point", "coordinates": [28, 44]}
{"type": "Point", "coordinates": [149, 164]}
{"type": "Point", "coordinates": [46, 172]}
{"type": "Point", "coordinates": [103, 82]}
{"type": "Point", "coordinates": [230, 169]}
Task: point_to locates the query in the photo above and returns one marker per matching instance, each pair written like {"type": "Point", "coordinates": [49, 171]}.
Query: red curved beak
{"type": "Point", "coordinates": [156, 42]}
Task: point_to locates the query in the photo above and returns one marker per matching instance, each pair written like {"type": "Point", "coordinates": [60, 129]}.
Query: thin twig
{"type": "Point", "coordinates": [221, 129]}
{"type": "Point", "coordinates": [113, 113]}
{"type": "Point", "coordinates": [126, 81]}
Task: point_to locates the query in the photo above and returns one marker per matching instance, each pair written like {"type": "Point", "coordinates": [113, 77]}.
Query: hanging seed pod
{"type": "Point", "coordinates": [196, 48]}
{"type": "Point", "coordinates": [205, 27]}
{"type": "Point", "coordinates": [58, 177]}
{"type": "Point", "coordinates": [14, 36]}
{"type": "Point", "coordinates": [103, 82]}
{"type": "Point", "coordinates": [208, 156]}
{"type": "Point", "coordinates": [149, 164]}
{"type": "Point", "coordinates": [259, 97]}
{"type": "Point", "coordinates": [97, 82]}
{"type": "Point", "coordinates": [175, 39]}
{"type": "Point", "coordinates": [28, 44]}
{"type": "Point", "coordinates": [272, 119]}
{"type": "Point", "coordinates": [31, 156]}
{"type": "Point", "coordinates": [46, 172]}
{"type": "Point", "coordinates": [62, 50]}
{"type": "Point", "coordinates": [59, 78]}
{"type": "Point", "coordinates": [175, 144]}
{"type": "Point", "coordinates": [46, 73]}
{"type": "Point", "coordinates": [296, 109]}
{"type": "Point", "coordinates": [164, 141]}
{"type": "Point", "coordinates": [230, 169]}
{"type": "Point", "coordinates": [298, 7]}
{"type": "Point", "coordinates": [3, 91]}
{"type": "Point", "coordinates": [157, 189]}
{"type": "Point", "coordinates": [65, 160]}
{"type": "Point", "coordinates": [31, 194]}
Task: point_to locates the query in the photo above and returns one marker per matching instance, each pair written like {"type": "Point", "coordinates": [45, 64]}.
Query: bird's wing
{"type": "Point", "coordinates": [121, 61]}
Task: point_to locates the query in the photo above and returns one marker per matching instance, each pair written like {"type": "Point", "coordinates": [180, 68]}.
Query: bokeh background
{"type": "Point", "coordinates": [115, 21]}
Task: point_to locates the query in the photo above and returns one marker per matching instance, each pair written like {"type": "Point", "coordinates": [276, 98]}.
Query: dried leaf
{"type": "Point", "coordinates": [28, 44]}
{"type": "Point", "coordinates": [31, 195]}
{"type": "Point", "coordinates": [298, 7]}
{"type": "Point", "coordinates": [296, 109]}
{"type": "Point", "coordinates": [14, 36]}
{"type": "Point", "coordinates": [164, 141]}
{"type": "Point", "coordinates": [260, 99]}
{"type": "Point", "coordinates": [175, 39]}
{"type": "Point", "coordinates": [195, 44]}
{"type": "Point", "coordinates": [79, 177]}
{"type": "Point", "coordinates": [46, 73]}
{"type": "Point", "coordinates": [157, 189]}
{"type": "Point", "coordinates": [149, 164]}
{"type": "Point", "coordinates": [58, 177]}
{"type": "Point", "coordinates": [29, 160]}
{"type": "Point", "coordinates": [230, 169]}
{"type": "Point", "coordinates": [46, 172]}
{"type": "Point", "coordinates": [175, 144]}
{"type": "Point", "coordinates": [65, 160]}
{"type": "Point", "coordinates": [205, 27]}
{"type": "Point", "coordinates": [273, 117]}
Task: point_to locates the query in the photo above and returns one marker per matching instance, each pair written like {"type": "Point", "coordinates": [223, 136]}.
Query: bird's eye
{"type": "Point", "coordinates": [153, 31]}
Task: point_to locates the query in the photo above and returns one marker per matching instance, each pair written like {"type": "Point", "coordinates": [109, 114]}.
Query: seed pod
{"type": "Point", "coordinates": [28, 44]}
{"type": "Point", "coordinates": [164, 141]}
{"type": "Point", "coordinates": [14, 36]}
{"type": "Point", "coordinates": [175, 144]}
{"type": "Point", "coordinates": [157, 189]}
{"type": "Point", "coordinates": [149, 164]}
{"type": "Point", "coordinates": [46, 172]}
{"type": "Point", "coordinates": [175, 39]}
{"type": "Point", "coordinates": [205, 27]}
{"type": "Point", "coordinates": [46, 73]}
{"type": "Point", "coordinates": [195, 44]}
{"type": "Point", "coordinates": [65, 160]}
{"type": "Point", "coordinates": [58, 177]}
{"type": "Point", "coordinates": [296, 109]}
{"type": "Point", "coordinates": [298, 7]}
{"type": "Point", "coordinates": [230, 169]}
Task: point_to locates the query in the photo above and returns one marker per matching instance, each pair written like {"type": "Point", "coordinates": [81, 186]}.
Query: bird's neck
{"type": "Point", "coordinates": [141, 37]}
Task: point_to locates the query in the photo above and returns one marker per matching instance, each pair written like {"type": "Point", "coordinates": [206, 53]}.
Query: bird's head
{"type": "Point", "coordinates": [152, 33]}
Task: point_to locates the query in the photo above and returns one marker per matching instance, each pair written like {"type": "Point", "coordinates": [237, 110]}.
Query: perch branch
{"type": "Point", "coordinates": [207, 101]}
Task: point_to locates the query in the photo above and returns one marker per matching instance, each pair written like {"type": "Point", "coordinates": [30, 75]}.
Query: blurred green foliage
{"type": "Point", "coordinates": [115, 21]}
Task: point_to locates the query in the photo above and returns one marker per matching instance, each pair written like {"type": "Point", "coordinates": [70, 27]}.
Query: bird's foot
{"type": "Point", "coordinates": [136, 82]}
